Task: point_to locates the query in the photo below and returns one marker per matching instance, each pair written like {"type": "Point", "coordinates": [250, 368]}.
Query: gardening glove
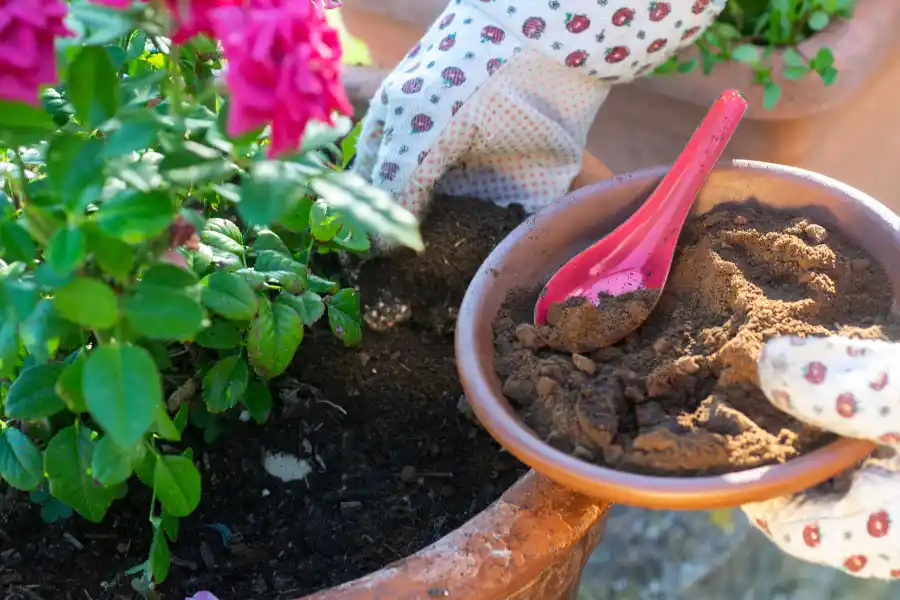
{"type": "Point", "coordinates": [496, 99]}
{"type": "Point", "coordinates": [850, 387]}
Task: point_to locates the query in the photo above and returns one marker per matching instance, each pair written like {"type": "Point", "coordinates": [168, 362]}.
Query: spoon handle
{"type": "Point", "coordinates": [676, 192]}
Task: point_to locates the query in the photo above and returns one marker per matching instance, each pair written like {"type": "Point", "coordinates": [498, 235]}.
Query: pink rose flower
{"type": "Point", "coordinates": [113, 3]}
{"type": "Point", "coordinates": [191, 17]}
{"type": "Point", "coordinates": [194, 17]}
{"type": "Point", "coordinates": [283, 67]}
{"type": "Point", "coordinates": [28, 29]}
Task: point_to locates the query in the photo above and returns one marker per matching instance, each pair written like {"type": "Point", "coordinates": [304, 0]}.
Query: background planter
{"type": "Point", "coordinates": [849, 131]}
{"type": "Point", "coordinates": [531, 544]}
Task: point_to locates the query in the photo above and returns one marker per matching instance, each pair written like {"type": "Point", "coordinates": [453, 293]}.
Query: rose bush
{"type": "Point", "coordinates": [154, 214]}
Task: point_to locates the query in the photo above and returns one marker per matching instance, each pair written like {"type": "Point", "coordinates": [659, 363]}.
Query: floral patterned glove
{"type": "Point", "coordinates": [497, 98]}
{"type": "Point", "coordinates": [850, 387]}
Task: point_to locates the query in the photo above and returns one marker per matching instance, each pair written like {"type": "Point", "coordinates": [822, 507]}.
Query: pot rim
{"type": "Point", "coordinates": [481, 384]}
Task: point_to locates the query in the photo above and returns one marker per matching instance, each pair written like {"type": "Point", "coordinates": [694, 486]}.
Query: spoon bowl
{"type": "Point", "coordinates": [638, 254]}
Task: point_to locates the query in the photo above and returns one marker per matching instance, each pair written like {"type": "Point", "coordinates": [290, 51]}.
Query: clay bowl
{"type": "Point", "coordinates": [540, 245]}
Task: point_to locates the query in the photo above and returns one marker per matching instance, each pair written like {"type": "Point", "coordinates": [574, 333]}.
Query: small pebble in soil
{"type": "Point", "coordinates": [351, 507]}
{"type": "Point", "coordinates": [409, 474]}
{"type": "Point", "coordinates": [816, 233]}
{"type": "Point", "coordinates": [386, 314]}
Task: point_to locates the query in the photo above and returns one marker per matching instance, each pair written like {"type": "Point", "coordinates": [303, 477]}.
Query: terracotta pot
{"type": "Point", "coordinates": [547, 240]}
{"type": "Point", "coordinates": [849, 131]}
{"type": "Point", "coordinates": [530, 545]}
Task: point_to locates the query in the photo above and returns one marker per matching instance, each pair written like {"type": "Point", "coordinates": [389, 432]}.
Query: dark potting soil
{"type": "Point", "coordinates": [679, 396]}
{"type": "Point", "coordinates": [395, 463]}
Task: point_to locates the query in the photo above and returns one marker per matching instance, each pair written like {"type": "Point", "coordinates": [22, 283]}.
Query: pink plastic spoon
{"type": "Point", "coordinates": [638, 254]}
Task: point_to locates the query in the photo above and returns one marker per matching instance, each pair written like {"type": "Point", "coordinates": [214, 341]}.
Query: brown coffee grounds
{"type": "Point", "coordinates": [576, 325]}
{"type": "Point", "coordinates": [680, 395]}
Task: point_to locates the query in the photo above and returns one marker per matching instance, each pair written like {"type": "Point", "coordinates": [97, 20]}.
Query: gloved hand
{"type": "Point", "coordinates": [497, 98]}
{"type": "Point", "coordinates": [850, 387]}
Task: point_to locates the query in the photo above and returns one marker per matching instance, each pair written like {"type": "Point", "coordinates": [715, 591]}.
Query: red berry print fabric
{"type": "Point", "coordinates": [850, 387]}
{"type": "Point", "coordinates": [496, 99]}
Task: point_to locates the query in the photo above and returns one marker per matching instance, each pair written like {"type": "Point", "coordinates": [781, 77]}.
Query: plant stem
{"type": "Point", "coordinates": [23, 178]}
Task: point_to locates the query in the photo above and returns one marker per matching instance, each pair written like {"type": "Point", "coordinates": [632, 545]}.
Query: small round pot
{"type": "Point", "coordinates": [547, 240]}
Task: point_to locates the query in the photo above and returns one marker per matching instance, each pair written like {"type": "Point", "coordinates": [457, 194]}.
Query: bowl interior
{"type": "Point", "coordinates": [543, 243]}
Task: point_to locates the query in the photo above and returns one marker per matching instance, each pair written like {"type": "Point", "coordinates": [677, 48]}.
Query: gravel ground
{"type": "Point", "coordinates": [656, 555]}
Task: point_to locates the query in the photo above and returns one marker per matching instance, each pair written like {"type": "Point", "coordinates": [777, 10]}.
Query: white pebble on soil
{"type": "Point", "coordinates": [286, 467]}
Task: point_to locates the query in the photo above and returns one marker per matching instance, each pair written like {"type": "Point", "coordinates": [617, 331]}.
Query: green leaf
{"type": "Point", "coordinates": [160, 313]}
{"type": "Point", "coordinates": [828, 75]}
{"type": "Point", "coordinates": [792, 58]}
{"type": "Point", "coordinates": [92, 87]}
{"type": "Point", "coordinates": [122, 391]}
{"type": "Point", "coordinates": [795, 73]}
{"type": "Point", "coordinates": [320, 285]}
{"type": "Point", "coordinates": [771, 95]}
{"type": "Point", "coordinates": [88, 302]}
{"type": "Point", "coordinates": [324, 222]}
{"type": "Point", "coordinates": [319, 134]}
{"type": "Point", "coordinates": [281, 269]}
{"type": "Point", "coordinates": [67, 462]}
{"type": "Point", "coordinates": [269, 240]}
{"type": "Point", "coordinates": [16, 241]}
{"type": "Point", "coordinates": [170, 525]}
{"type": "Point", "coordinates": [181, 418]}
{"type": "Point", "coordinates": [819, 20]}
{"type": "Point", "coordinates": [225, 384]}
{"type": "Point", "coordinates": [41, 223]}
{"type": "Point", "coordinates": [353, 239]}
{"type": "Point", "coordinates": [348, 144]}
{"type": "Point", "coordinates": [42, 331]}
{"type": "Point", "coordinates": [230, 295]}
{"type": "Point", "coordinates": [104, 24]}
{"type": "Point", "coordinates": [110, 464]}
{"type": "Point", "coordinates": [164, 427]}
{"type": "Point", "coordinates": [746, 53]}
{"type": "Point", "coordinates": [344, 316]}
{"type": "Point", "coordinates": [224, 235]}
{"type": "Point", "coordinates": [258, 401]}
{"type": "Point", "coordinates": [272, 190]}
{"type": "Point", "coordinates": [371, 208]}
{"type": "Point", "coordinates": [220, 335]}
{"type": "Point", "coordinates": [113, 255]}
{"type": "Point", "coordinates": [136, 216]}
{"type": "Point", "coordinates": [22, 124]}
{"type": "Point", "coordinates": [21, 464]}
{"type": "Point", "coordinates": [75, 168]}
{"type": "Point", "coordinates": [32, 394]}
{"type": "Point", "coordinates": [137, 133]}
{"type": "Point", "coordinates": [54, 510]}
{"type": "Point", "coordinates": [206, 165]}
{"type": "Point", "coordinates": [70, 385]}
{"type": "Point", "coordinates": [66, 251]}
{"type": "Point", "coordinates": [21, 298]}
{"type": "Point", "coordinates": [273, 339]}
{"type": "Point", "coordinates": [176, 482]}
{"type": "Point", "coordinates": [308, 305]}
{"type": "Point", "coordinates": [166, 275]}
{"type": "Point", "coordinates": [145, 469]}
{"type": "Point", "coordinates": [9, 348]}
{"type": "Point", "coordinates": [160, 558]}
{"type": "Point", "coordinates": [823, 59]}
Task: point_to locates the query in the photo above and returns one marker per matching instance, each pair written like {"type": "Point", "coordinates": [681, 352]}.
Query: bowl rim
{"type": "Point", "coordinates": [648, 491]}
